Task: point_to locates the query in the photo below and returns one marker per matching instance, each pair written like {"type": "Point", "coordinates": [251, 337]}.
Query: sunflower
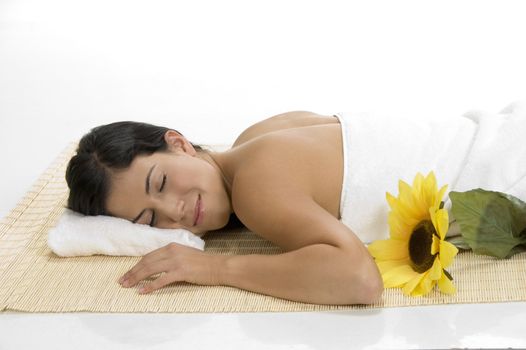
{"type": "Point", "coordinates": [416, 255]}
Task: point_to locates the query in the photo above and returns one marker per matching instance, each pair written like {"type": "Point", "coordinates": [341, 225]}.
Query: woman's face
{"type": "Point", "coordinates": [171, 189]}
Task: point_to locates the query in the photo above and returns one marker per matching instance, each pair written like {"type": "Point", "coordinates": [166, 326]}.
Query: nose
{"type": "Point", "coordinates": [178, 212]}
{"type": "Point", "coordinates": [171, 213]}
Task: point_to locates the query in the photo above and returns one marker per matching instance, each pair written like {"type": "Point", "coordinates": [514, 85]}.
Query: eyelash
{"type": "Point", "coordinates": [160, 189]}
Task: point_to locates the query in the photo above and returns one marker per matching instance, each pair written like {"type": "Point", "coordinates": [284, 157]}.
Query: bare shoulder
{"type": "Point", "coordinates": [282, 121]}
{"type": "Point", "coordinates": [276, 204]}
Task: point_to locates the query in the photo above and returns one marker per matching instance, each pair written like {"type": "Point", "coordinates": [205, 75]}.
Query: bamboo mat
{"type": "Point", "coordinates": [33, 279]}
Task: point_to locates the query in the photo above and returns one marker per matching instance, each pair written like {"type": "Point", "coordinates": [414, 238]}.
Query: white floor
{"type": "Point", "coordinates": [210, 69]}
{"type": "Point", "coordinates": [461, 326]}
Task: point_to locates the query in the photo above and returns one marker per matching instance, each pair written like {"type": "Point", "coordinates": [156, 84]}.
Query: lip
{"type": "Point", "coordinates": [197, 211]}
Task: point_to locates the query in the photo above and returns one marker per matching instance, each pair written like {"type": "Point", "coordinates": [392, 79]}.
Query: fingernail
{"type": "Point", "coordinates": [142, 290]}
{"type": "Point", "coordinates": [121, 279]}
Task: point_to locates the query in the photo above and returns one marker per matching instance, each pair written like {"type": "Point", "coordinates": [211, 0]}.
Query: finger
{"type": "Point", "coordinates": [152, 260]}
{"type": "Point", "coordinates": [148, 259]}
{"type": "Point", "coordinates": [160, 282]}
{"type": "Point", "coordinates": [145, 271]}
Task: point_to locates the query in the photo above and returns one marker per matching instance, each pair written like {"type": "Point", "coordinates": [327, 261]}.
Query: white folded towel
{"type": "Point", "coordinates": [81, 235]}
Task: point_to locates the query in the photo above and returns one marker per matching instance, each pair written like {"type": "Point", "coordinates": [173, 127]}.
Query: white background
{"type": "Point", "coordinates": [210, 69]}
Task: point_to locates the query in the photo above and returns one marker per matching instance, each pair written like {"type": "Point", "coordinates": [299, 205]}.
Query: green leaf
{"type": "Point", "coordinates": [492, 223]}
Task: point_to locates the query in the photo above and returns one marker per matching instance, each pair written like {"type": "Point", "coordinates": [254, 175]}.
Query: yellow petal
{"type": "Point", "coordinates": [397, 229]}
{"type": "Point", "coordinates": [443, 222]}
{"type": "Point", "coordinates": [387, 265]}
{"type": "Point", "coordinates": [417, 182]}
{"type": "Point", "coordinates": [422, 286]}
{"type": "Point", "coordinates": [430, 179]}
{"type": "Point", "coordinates": [447, 253]}
{"type": "Point", "coordinates": [391, 200]}
{"type": "Point", "coordinates": [417, 292]}
{"type": "Point", "coordinates": [410, 285]}
{"type": "Point", "coordinates": [406, 214]}
{"type": "Point", "coordinates": [446, 286]}
{"type": "Point", "coordinates": [398, 276]}
{"type": "Point", "coordinates": [407, 225]}
{"type": "Point", "coordinates": [419, 202]}
{"type": "Point", "coordinates": [420, 194]}
{"type": "Point", "coordinates": [426, 284]}
{"type": "Point", "coordinates": [435, 246]}
{"type": "Point", "coordinates": [404, 191]}
{"type": "Point", "coordinates": [430, 189]}
{"type": "Point", "coordinates": [389, 249]}
{"type": "Point", "coordinates": [407, 211]}
{"type": "Point", "coordinates": [436, 270]}
{"type": "Point", "coordinates": [433, 216]}
{"type": "Point", "coordinates": [441, 193]}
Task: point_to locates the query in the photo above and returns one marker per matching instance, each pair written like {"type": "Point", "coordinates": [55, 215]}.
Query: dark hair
{"type": "Point", "coordinates": [102, 151]}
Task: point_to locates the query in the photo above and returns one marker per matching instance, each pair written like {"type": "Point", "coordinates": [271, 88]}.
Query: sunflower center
{"type": "Point", "coordinates": [420, 246]}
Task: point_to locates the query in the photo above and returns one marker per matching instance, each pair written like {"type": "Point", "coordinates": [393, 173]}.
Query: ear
{"type": "Point", "coordinates": [177, 142]}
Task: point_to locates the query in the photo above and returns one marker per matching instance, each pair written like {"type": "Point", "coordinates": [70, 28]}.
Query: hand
{"type": "Point", "coordinates": [179, 263]}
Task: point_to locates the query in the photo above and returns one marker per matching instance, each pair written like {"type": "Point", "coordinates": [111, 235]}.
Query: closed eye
{"type": "Point", "coordinates": [153, 217]}
{"type": "Point", "coordinates": [164, 181]}
{"type": "Point", "coordinates": [160, 190]}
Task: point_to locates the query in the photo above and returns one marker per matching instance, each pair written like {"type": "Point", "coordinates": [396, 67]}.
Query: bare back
{"type": "Point", "coordinates": [287, 167]}
{"type": "Point", "coordinates": [310, 152]}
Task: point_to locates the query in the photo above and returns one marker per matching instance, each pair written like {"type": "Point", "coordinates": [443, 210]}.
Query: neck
{"type": "Point", "coordinates": [215, 159]}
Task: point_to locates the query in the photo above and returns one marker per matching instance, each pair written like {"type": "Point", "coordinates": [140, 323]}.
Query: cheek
{"type": "Point", "coordinates": [186, 178]}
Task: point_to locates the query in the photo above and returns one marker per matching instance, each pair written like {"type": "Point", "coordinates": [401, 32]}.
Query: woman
{"type": "Point", "coordinates": [282, 178]}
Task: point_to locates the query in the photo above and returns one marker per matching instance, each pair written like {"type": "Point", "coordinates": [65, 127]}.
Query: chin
{"type": "Point", "coordinates": [200, 234]}
{"type": "Point", "coordinates": [225, 221]}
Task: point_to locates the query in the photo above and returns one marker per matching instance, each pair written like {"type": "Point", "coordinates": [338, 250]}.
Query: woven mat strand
{"type": "Point", "coordinates": [33, 279]}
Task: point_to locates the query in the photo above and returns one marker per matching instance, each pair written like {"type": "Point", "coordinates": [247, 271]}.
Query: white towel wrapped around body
{"type": "Point", "coordinates": [81, 235]}
{"type": "Point", "coordinates": [476, 150]}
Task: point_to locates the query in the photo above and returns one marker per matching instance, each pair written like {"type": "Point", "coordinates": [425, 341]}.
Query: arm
{"type": "Point", "coordinates": [324, 261]}
{"type": "Point", "coordinates": [318, 273]}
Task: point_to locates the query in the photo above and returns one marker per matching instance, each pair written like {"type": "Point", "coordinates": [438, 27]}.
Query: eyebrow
{"type": "Point", "coordinates": [147, 189]}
